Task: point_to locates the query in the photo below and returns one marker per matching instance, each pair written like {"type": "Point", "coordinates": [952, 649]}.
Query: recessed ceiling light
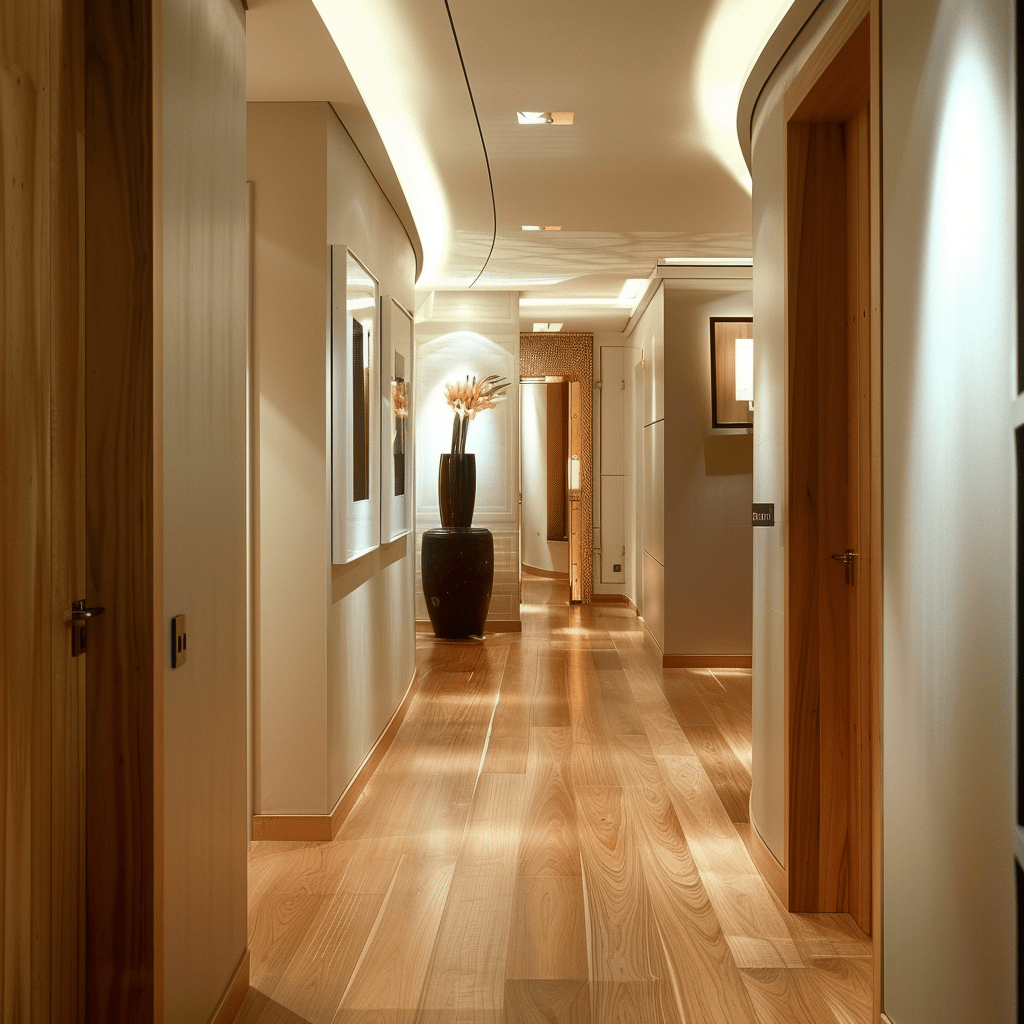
{"type": "Point", "coordinates": [546, 328]}
{"type": "Point", "coordinates": [542, 227]}
{"type": "Point", "coordinates": [531, 227]}
{"type": "Point", "coordinates": [544, 116]}
{"type": "Point", "coordinates": [554, 327]}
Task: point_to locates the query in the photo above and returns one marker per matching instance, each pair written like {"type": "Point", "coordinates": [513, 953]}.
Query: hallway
{"type": "Point", "coordinates": [556, 835]}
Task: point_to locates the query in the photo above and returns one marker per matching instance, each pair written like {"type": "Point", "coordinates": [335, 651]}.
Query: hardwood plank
{"type": "Point", "coordinates": [393, 966]}
{"type": "Point", "coordinates": [547, 1002]}
{"type": "Point", "coordinates": [684, 698]}
{"type": "Point", "coordinates": [787, 997]}
{"type": "Point", "coordinates": [652, 1002]}
{"type": "Point", "coordinates": [663, 730]}
{"type": "Point", "coordinates": [278, 925]}
{"type": "Point", "coordinates": [510, 727]}
{"type": "Point", "coordinates": [619, 922]}
{"type": "Point", "coordinates": [548, 938]}
{"type": "Point", "coordinates": [550, 699]}
{"type": "Point", "coordinates": [549, 844]}
{"type": "Point", "coordinates": [467, 970]}
{"type": "Point", "coordinates": [728, 775]}
{"type": "Point", "coordinates": [846, 985]}
{"type": "Point", "coordinates": [699, 960]}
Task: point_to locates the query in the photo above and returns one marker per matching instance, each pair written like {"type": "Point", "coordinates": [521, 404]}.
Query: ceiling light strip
{"type": "Point", "coordinates": [483, 146]}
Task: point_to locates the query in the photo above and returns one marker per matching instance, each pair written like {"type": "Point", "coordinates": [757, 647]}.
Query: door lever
{"type": "Point", "coordinates": [847, 558]}
{"type": "Point", "coordinates": [79, 617]}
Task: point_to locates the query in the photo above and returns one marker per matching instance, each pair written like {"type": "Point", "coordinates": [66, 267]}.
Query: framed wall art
{"type": "Point", "coordinates": [396, 460]}
{"type": "Point", "coordinates": [732, 371]}
{"type": "Point", "coordinates": [355, 408]}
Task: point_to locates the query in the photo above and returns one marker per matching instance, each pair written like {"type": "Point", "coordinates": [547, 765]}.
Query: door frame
{"type": "Point", "coordinates": [840, 75]}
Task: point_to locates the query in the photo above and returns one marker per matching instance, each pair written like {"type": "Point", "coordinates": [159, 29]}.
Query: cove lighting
{"type": "Point", "coordinates": [542, 227]}
{"type": "Point", "coordinates": [550, 328]}
{"type": "Point", "coordinates": [555, 300]}
{"type": "Point", "coordinates": [544, 116]}
{"type": "Point", "coordinates": [364, 303]}
{"type": "Point", "coordinates": [707, 261]}
{"type": "Point", "coordinates": [631, 291]}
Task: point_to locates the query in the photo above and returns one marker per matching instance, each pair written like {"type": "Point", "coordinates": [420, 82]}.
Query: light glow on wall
{"type": "Point", "coordinates": [744, 369]}
{"type": "Point", "coordinates": [734, 36]}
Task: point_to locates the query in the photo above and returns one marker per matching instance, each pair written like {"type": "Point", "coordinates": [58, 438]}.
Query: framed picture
{"type": "Point", "coordinates": [396, 463]}
{"type": "Point", "coordinates": [732, 371]}
{"type": "Point", "coordinates": [355, 405]}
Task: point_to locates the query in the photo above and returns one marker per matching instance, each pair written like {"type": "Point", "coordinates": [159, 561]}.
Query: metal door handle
{"type": "Point", "coordinates": [79, 617]}
{"type": "Point", "coordinates": [847, 558]}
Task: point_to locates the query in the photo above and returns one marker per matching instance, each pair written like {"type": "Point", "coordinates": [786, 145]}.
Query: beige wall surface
{"type": "Point", "coordinates": [336, 644]}
{"type": "Point", "coordinates": [950, 407]}
{"type": "Point", "coordinates": [707, 486]}
{"type": "Point", "coordinates": [202, 130]}
{"type": "Point", "coordinates": [767, 795]}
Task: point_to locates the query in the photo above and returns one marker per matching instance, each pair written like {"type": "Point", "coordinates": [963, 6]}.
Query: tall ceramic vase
{"type": "Point", "coordinates": [456, 490]}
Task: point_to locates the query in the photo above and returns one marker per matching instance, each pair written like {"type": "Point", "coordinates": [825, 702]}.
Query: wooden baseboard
{"type": "Point", "coordinates": [231, 1002]}
{"type": "Point", "coordinates": [706, 661]}
{"type": "Point", "coordinates": [611, 599]}
{"type": "Point", "coordinates": [324, 827]}
{"type": "Point", "coordinates": [490, 626]}
{"type": "Point", "coordinates": [765, 861]}
{"type": "Point", "coordinates": [548, 574]}
{"type": "Point", "coordinates": [885, 1019]}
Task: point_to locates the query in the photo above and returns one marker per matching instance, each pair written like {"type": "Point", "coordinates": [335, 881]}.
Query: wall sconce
{"type": "Point", "coordinates": [745, 371]}
{"type": "Point", "coordinates": [732, 372]}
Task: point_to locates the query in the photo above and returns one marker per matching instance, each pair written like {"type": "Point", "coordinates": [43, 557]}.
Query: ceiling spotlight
{"type": "Point", "coordinates": [531, 227]}
{"type": "Point", "coordinates": [546, 328]}
{"type": "Point", "coordinates": [544, 116]}
{"type": "Point", "coordinates": [542, 227]}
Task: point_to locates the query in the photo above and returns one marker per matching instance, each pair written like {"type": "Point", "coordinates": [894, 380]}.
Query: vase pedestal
{"type": "Point", "coordinates": [458, 573]}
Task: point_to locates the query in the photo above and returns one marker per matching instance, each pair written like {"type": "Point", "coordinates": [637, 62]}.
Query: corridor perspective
{"type": "Point", "coordinates": [556, 835]}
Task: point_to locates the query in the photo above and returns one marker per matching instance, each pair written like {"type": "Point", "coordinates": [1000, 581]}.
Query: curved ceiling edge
{"type": "Point", "coordinates": [767, 61]}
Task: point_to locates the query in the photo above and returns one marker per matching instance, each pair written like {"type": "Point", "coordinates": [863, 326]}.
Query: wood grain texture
{"type": "Point", "coordinates": [523, 895]}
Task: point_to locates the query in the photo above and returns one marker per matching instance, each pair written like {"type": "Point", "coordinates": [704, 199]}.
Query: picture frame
{"type": "Point", "coordinates": [726, 411]}
{"type": "Point", "coordinates": [354, 408]}
{"type": "Point", "coordinates": [396, 393]}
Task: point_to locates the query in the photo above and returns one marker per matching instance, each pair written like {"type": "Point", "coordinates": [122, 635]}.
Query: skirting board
{"type": "Point", "coordinates": [885, 1019]}
{"type": "Point", "coordinates": [705, 661]}
{"type": "Point", "coordinates": [324, 827]}
{"type": "Point", "coordinates": [549, 574]}
{"type": "Point", "coordinates": [611, 599]}
{"type": "Point", "coordinates": [490, 626]}
{"type": "Point", "coordinates": [231, 1002]}
{"type": "Point", "coordinates": [765, 861]}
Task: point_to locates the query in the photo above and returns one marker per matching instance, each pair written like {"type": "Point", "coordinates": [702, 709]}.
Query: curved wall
{"type": "Point", "coordinates": [538, 551]}
{"type": "Point", "coordinates": [767, 796]}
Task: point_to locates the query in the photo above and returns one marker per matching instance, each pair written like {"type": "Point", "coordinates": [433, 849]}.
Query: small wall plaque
{"type": "Point", "coordinates": [763, 514]}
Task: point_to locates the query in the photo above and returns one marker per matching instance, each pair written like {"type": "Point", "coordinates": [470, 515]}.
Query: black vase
{"type": "Point", "coordinates": [456, 490]}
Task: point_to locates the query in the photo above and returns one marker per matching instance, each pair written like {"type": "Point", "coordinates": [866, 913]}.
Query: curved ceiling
{"type": "Point", "coordinates": [651, 167]}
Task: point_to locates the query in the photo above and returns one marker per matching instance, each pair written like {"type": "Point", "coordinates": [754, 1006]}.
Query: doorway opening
{"type": "Point", "coordinates": [833, 568]}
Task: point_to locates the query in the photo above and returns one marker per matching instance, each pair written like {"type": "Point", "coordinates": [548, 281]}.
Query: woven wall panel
{"type": "Point", "coordinates": [557, 456]}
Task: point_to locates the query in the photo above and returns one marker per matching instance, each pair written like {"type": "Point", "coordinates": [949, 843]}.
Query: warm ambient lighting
{"type": "Point", "coordinates": [707, 261]}
{"type": "Point", "coordinates": [556, 300]}
{"type": "Point", "coordinates": [363, 303]}
{"type": "Point", "coordinates": [544, 116]}
{"type": "Point", "coordinates": [550, 328]}
{"type": "Point", "coordinates": [631, 291]}
{"type": "Point", "coordinates": [542, 227]}
{"type": "Point", "coordinates": [745, 370]}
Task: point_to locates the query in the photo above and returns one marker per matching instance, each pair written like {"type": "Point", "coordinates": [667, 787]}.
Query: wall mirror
{"type": "Point", "coordinates": [732, 372]}
{"type": "Point", "coordinates": [355, 408]}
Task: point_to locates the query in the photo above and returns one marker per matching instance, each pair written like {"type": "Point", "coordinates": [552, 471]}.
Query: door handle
{"type": "Point", "coordinates": [79, 617]}
{"type": "Point", "coordinates": [847, 558]}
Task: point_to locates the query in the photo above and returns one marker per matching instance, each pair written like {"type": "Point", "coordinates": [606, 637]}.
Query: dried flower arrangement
{"type": "Point", "coordinates": [467, 399]}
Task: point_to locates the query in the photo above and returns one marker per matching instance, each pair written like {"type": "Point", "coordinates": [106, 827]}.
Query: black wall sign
{"type": "Point", "coordinates": [763, 514]}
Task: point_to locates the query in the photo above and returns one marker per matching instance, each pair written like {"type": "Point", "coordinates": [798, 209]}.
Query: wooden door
{"type": "Point", "coordinates": [830, 582]}
{"type": "Point", "coordinates": [42, 717]}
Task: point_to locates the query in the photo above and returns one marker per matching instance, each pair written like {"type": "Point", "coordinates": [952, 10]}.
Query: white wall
{"type": "Point", "coordinates": [201, 213]}
{"type": "Point", "coordinates": [707, 483]}
{"type": "Point", "coordinates": [538, 551]}
{"type": "Point", "coordinates": [474, 333]}
{"type": "Point", "coordinates": [337, 648]}
{"type": "Point", "coordinates": [949, 404]}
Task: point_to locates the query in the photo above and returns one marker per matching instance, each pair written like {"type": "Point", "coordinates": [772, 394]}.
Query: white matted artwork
{"type": "Point", "coordinates": [355, 409]}
{"type": "Point", "coordinates": [396, 460]}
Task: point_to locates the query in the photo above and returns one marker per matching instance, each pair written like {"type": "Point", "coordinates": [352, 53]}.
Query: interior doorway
{"type": "Point", "coordinates": [833, 570]}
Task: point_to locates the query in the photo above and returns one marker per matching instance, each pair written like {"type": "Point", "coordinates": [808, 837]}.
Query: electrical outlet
{"type": "Point", "coordinates": [616, 567]}
{"type": "Point", "coordinates": [179, 641]}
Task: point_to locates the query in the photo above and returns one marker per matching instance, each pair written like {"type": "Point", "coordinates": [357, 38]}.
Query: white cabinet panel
{"type": "Point", "coordinates": [613, 529]}
{"type": "Point", "coordinates": [612, 411]}
{"type": "Point", "coordinates": [654, 490]}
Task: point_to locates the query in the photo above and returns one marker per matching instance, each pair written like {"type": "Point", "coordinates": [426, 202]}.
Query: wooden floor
{"type": "Point", "coordinates": [556, 835]}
